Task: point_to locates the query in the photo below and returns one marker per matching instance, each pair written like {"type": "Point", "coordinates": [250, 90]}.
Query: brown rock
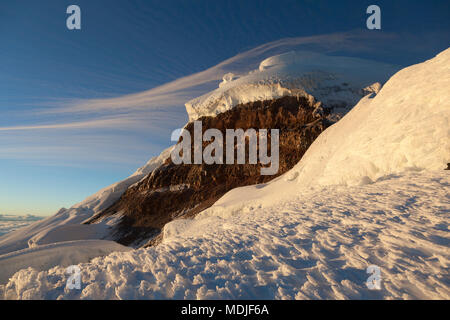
{"type": "Point", "coordinates": [174, 191]}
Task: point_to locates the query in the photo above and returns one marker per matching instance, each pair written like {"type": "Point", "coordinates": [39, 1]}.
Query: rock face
{"type": "Point", "coordinates": [181, 191]}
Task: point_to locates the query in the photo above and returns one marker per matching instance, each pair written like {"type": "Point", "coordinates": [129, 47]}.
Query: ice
{"type": "Point", "coordinates": [334, 80]}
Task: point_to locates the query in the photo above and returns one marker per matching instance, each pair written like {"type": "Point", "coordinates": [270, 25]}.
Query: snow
{"type": "Point", "coordinates": [371, 190]}
{"type": "Point", "coordinates": [405, 127]}
{"type": "Point", "coordinates": [316, 245]}
{"type": "Point", "coordinates": [334, 80]}
{"type": "Point", "coordinates": [67, 223]}
{"type": "Point", "coordinates": [57, 254]}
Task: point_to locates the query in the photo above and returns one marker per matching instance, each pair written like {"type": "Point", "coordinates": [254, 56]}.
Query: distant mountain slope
{"type": "Point", "coordinates": [52, 229]}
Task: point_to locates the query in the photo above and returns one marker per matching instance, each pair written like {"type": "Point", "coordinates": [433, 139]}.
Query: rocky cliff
{"type": "Point", "coordinates": [180, 191]}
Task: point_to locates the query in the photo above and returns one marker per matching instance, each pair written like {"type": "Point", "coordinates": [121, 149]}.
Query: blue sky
{"type": "Point", "coordinates": [83, 109]}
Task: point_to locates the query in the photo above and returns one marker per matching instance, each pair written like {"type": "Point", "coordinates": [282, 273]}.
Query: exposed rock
{"type": "Point", "coordinates": [173, 191]}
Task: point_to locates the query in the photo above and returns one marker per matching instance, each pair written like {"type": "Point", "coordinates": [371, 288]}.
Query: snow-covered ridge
{"type": "Point", "coordinates": [335, 81]}
{"type": "Point", "coordinates": [67, 225]}
{"type": "Point", "coordinates": [315, 245]}
{"type": "Point", "coordinates": [406, 126]}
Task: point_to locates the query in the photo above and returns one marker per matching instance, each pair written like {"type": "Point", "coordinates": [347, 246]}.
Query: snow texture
{"type": "Point", "coordinates": [314, 246]}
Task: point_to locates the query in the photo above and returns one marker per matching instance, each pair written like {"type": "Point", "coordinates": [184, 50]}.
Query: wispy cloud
{"type": "Point", "coordinates": [177, 92]}
{"type": "Point", "coordinates": [147, 116]}
{"type": "Point", "coordinates": [99, 123]}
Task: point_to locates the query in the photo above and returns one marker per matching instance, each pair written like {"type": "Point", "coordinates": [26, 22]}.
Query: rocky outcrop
{"type": "Point", "coordinates": [181, 191]}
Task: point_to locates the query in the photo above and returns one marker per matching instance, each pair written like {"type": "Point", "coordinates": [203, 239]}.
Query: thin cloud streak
{"type": "Point", "coordinates": [103, 123]}
{"type": "Point", "coordinates": [145, 118]}
{"type": "Point", "coordinates": [178, 92]}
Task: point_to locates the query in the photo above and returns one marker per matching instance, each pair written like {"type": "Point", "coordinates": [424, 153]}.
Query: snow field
{"type": "Point", "coordinates": [315, 246]}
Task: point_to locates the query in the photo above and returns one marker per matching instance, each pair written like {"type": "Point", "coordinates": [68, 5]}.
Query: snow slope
{"type": "Point", "coordinates": [57, 254]}
{"type": "Point", "coordinates": [334, 80]}
{"type": "Point", "coordinates": [370, 190]}
{"type": "Point", "coordinates": [66, 224]}
{"type": "Point", "coordinates": [315, 245]}
{"type": "Point", "coordinates": [9, 223]}
{"type": "Point", "coordinates": [405, 127]}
